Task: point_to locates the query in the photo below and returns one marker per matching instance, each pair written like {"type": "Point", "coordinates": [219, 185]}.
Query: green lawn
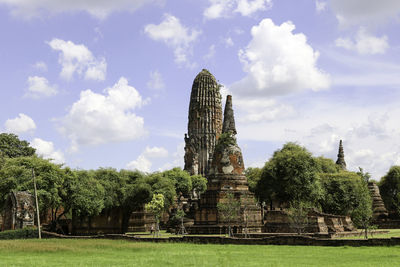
{"type": "Point", "coordinates": [60, 252]}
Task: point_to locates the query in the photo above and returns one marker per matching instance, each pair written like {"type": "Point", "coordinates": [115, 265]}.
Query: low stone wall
{"type": "Point", "coordinates": [288, 240]}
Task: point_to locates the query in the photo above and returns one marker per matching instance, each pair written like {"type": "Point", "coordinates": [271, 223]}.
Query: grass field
{"type": "Point", "coordinates": [72, 252]}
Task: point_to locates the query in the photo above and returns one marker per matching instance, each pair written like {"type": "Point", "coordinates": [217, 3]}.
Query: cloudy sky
{"type": "Point", "coordinates": [97, 83]}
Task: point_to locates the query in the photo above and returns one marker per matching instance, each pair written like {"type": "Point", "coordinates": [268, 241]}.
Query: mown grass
{"type": "Point", "coordinates": [73, 252]}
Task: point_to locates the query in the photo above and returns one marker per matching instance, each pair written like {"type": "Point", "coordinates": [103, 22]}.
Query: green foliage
{"type": "Point", "coordinates": [253, 176]}
{"type": "Point", "coordinates": [325, 165]}
{"type": "Point", "coordinates": [179, 214]}
{"type": "Point", "coordinates": [25, 233]}
{"type": "Point", "coordinates": [87, 198]}
{"type": "Point", "coordinates": [290, 175]}
{"type": "Point", "coordinates": [362, 214]}
{"type": "Point", "coordinates": [113, 184]}
{"type": "Point", "coordinates": [199, 184]}
{"type": "Point", "coordinates": [162, 185]}
{"type": "Point", "coordinates": [342, 192]}
{"type": "Point", "coordinates": [224, 140]}
{"type": "Point", "coordinates": [229, 210]}
{"type": "Point", "coordinates": [298, 215]}
{"type": "Point", "coordinates": [16, 175]}
{"type": "Point", "coordinates": [364, 175]}
{"type": "Point", "coordinates": [182, 180]}
{"type": "Point", "coordinates": [11, 146]}
{"type": "Point", "coordinates": [156, 206]}
{"type": "Point", "coordinates": [389, 188]}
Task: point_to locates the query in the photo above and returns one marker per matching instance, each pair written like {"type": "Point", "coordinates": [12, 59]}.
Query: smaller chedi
{"type": "Point", "coordinates": [379, 211]}
{"type": "Point", "coordinates": [340, 161]}
{"type": "Point", "coordinates": [19, 211]}
{"type": "Point", "coordinates": [225, 177]}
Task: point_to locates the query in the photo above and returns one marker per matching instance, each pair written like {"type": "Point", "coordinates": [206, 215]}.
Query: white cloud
{"type": "Point", "coordinates": [143, 163]}
{"type": "Point", "coordinates": [20, 124]}
{"type": "Point", "coordinates": [103, 118]}
{"type": "Point", "coordinates": [155, 152]}
{"type": "Point", "coordinates": [363, 72]}
{"type": "Point", "coordinates": [39, 87]}
{"type": "Point", "coordinates": [177, 158]}
{"type": "Point", "coordinates": [41, 66]}
{"type": "Point", "coordinates": [47, 151]}
{"type": "Point", "coordinates": [156, 81]}
{"type": "Point", "coordinates": [256, 110]}
{"type": "Point", "coordinates": [365, 12]}
{"type": "Point", "coordinates": [175, 35]}
{"type": "Point", "coordinates": [97, 8]}
{"type": "Point", "coordinates": [77, 58]}
{"type": "Point", "coordinates": [210, 54]}
{"type": "Point", "coordinates": [320, 6]}
{"type": "Point", "coordinates": [369, 133]}
{"type": "Point", "coordinates": [364, 43]}
{"type": "Point", "coordinates": [278, 62]}
{"type": "Point", "coordinates": [226, 8]}
{"type": "Point", "coordinates": [229, 42]}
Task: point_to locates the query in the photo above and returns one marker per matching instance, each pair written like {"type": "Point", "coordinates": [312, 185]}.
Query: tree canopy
{"type": "Point", "coordinates": [11, 146]}
{"type": "Point", "coordinates": [389, 188]}
{"type": "Point", "coordinates": [290, 175]}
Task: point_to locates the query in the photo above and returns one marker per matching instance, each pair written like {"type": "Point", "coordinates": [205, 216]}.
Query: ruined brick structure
{"type": "Point", "coordinates": [226, 176]}
{"type": "Point", "coordinates": [278, 221]}
{"type": "Point", "coordinates": [378, 207]}
{"type": "Point", "coordinates": [340, 161]}
{"type": "Point", "coordinates": [19, 211]}
{"type": "Point", "coordinates": [205, 123]}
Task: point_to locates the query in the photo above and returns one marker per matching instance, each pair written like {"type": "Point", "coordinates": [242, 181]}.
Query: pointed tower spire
{"type": "Point", "coordinates": [340, 161]}
{"type": "Point", "coordinates": [229, 119]}
{"type": "Point", "coordinates": [205, 123]}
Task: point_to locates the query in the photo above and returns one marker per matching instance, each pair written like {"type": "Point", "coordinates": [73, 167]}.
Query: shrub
{"type": "Point", "coordinates": [25, 233]}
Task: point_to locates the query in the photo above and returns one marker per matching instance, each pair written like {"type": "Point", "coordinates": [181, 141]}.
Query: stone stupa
{"type": "Point", "coordinates": [226, 176]}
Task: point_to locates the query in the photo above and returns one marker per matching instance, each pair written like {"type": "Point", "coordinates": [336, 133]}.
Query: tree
{"type": "Point", "coordinates": [199, 185]}
{"type": "Point", "coordinates": [12, 147]}
{"type": "Point", "coordinates": [87, 198]}
{"type": "Point", "coordinates": [253, 176]}
{"type": "Point", "coordinates": [325, 165]}
{"type": "Point", "coordinates": [290, 175]}
{"type": "Point", "coordinates": [364, 175]}
{"type": "Point", "coordinates": [341, 192]}
{"type": "Point", "coordinates": [182, 181]}
{"type": "Point", "coordinates": [389, 188]}
{"type": "Point", "coordinates": [179, 215]}
{"type": "Point", "coordinates": [156, 206]}
{"type": "Point", "coordinates": [362, 214]}
{"type": "Point", "coordinates": [298, 215]}
{"type": "Point", "coordinates": [16, 175]}
{"type": "Point", "coordinates": [137, 193]}
{"type": "Point", "coordinates": [229, 210]}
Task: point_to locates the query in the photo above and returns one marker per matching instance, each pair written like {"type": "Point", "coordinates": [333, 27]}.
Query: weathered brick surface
{"type": "Point", "coordinates": [205, 123]}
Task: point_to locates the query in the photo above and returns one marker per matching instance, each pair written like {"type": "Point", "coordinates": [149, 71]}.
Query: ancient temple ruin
{"type": "Point", "coordinates": [19, 211]}
{"type": "Point", "coordinates": [226, 176]}
{"type": "Point", "coordinates": [379, 211]}
{"type": "Point", "coordinates": [205, 123]}
{"type": "Point", "coordinates": [340, 161]}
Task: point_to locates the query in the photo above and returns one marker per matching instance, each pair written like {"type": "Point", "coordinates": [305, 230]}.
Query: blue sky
{"type": "Point", "coordinates": [107, 83]}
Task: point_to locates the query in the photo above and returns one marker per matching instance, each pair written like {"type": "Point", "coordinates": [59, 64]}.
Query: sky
{"type": "Point", "coordinates": [97, 83]}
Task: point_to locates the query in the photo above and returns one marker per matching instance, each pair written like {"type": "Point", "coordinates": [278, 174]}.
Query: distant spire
{"type": "Point", "coordinates": [229, 119]}
{"type": "Point", "coordinates": [340, 161]}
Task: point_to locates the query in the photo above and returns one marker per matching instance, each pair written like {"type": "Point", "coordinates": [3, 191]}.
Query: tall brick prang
{"type": "Point", "coordinates": [205, 123]}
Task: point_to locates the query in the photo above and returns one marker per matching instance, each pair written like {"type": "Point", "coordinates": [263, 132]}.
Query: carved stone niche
{"type": "Point", "coordinates": [19, 211]}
